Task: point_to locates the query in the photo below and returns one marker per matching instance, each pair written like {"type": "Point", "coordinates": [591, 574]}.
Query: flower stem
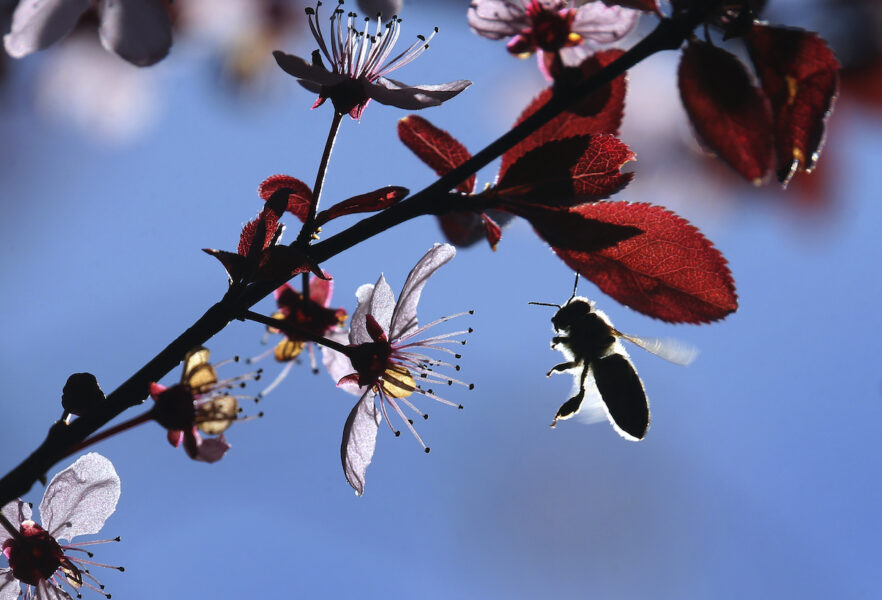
{"type": "Point", "coordinates": [112, 431]}
{"type": "Point", "coordinates": [287, 328]}
{"type": "Point", "coordinates": [309, 225]}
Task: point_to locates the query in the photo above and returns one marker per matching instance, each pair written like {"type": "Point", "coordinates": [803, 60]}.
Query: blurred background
{"type": "Point", "coordinates": [760, 475]}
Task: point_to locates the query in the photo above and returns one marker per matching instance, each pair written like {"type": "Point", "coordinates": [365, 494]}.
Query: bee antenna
{"type": "Point", "coordinates": [575, 286]}
{"type": "Point", "coordinates": [558, 306]}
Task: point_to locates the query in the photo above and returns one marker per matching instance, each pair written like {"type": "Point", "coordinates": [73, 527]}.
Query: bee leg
{"type": "Point", "coordinates": [562, 367]}
{"type": "Point", "coordinates": [559, 339]}
{"type": "Point", "coordinates": [572, 406]}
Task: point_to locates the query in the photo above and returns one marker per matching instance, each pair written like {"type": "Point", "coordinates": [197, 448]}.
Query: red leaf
{"type": "Point", "coordinates": [568, 172]}
{"type": "Point", "coordinates": [492, 231]}
{"type": "Point", "coordinates": [233, 263]}
{"type": "Point", "coordinates": [282, 262]}
{"type": "Point", "coordinates": [599, 112]}
{"type": "Point", "coordinates": [730, 115]}
{"type": "Point", "coordinates": [800, 75]}
{"type": "Point", "coordinates": [570, 230]}
{"type": "Point", "coordinates": [464, 227]}
{"type": "Point", "coordinates": [461, 228]}
{"type": "Point", "coordinates": [435, 147]}
{"type": "Point", "coordinates": [669, 272]}
{"type": "Point", "coordinates": [251, 228]}
{"type": "Point", "coordinates": [369, 202]}
{"type": "Point", "coordinates": [299, 198]}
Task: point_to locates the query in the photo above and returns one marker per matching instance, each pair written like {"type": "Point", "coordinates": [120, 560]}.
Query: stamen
{"type": "Point", "coordinates": [279, 378]}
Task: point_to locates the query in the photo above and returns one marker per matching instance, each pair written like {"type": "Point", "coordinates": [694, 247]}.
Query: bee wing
{"type": "Point", "coordinates": [675, 351]}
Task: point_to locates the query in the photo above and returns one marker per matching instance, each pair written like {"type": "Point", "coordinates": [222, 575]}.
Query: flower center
{"type": "Point", "coordinates": [551, 30]}
{"type": "Point", "coordinates": [174, 408]}
{"type": "Point", "coordinates": [34, 556]}
{"type": "Point", "coordinates": [371, 360]}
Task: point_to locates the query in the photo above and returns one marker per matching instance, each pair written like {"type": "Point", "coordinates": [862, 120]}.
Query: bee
{"type": "Point", "coordinates": [600, 364]}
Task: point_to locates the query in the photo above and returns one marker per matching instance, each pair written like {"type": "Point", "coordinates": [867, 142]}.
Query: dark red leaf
{"type": "Point", "coordinates": [252, 228]}
{"type": "Point", "coordinates": [435, 147]}
{"type": "Point", "coordinates": [670, 271]}
{"type": "Point", "coordinates": [800, 74]}
{"type": "Point", "coordinates": [730, 115]}
{"type": "Point", "coordinates": [369, 202]}
{"type": "Point", "coordinates": [492, 231]}
{"type": "Point", "coordinates": [282, 262]}
{"type": "Point", "coordinates": [569, 229]}
{"type": "Point", "coordinates": [599, 112]}
{"type": "Point", "coordinates": [299, 197]}
{"type": "Point", "coordinates": [233, 263]}
{"type": "Point", "coordinates": [568, 172]}
{"type": "Point", "coordinates": [461, 228]}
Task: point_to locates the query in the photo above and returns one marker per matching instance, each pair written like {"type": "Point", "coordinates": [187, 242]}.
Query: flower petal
{"type": "Point", "coordinates": [496, 19]}
{"type": "Point", "coordinates": [49, 591]}
{"type": "Point", "coordinates": [359, 441]}
{"type": "Point", "coordinates": [338, 364]}
{"type": "Point", "coordinates": [375, 300]}
{"type": "Point", "coordinates": [358, 330]}
{"type": "Point", "coordinates": [10, 588]}
{"type": "Point", "coordinates": [321, 290]}
{"type": "Point", "coordinates": [401, 95]}
{"type": "Point", "coordinates": [15, 512]}
{"type": "Point", "coordinates": [37, 24]}
{"type": "Point", "coordinates": [404, 319]}
{"type": "Point", "coordinates": [138, 31]}
{"type": "Point", "coordinates": [80, 498]}
{"type": "Point", "coordinates": [212, 449]}
{"type": "Point", "coordinates": [603, 24]}
{"type": "Point", "coordinates": [306, 71]}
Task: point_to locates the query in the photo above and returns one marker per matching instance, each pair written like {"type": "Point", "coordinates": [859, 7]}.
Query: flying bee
{"type": "Point", "coordinates": [600, 364]}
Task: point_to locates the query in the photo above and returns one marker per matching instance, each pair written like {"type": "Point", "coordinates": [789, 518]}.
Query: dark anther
{"type": "Point", "coordinates": [427, 450]}
{"type": "Point", "coordinates": [397, 433]}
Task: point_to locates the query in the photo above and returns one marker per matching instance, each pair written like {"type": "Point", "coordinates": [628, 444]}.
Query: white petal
{"type": "Point", "coordinates": [404, 319]}
{"type": "Point", "coordinates": [37, 24]}
{"type": "Point", "coordinates": [604, 24]}
{"type": "Point", "coordinates": [10, 588]}
{"type": "Point", "coordinates": [358, 333]}
{"type": "Point", "coordinates": [375, 300]}
{"type": "Point", "coordinates": [382, 304]}
{"type": "Point", "coordinates": [47, 591]}
{"type": "Point", "coordinates": [212, 450]}
{"type": "Point", "coordinates": [394, 93]}
{"type": "Point", "coordinates": [359, 441]}
{"type": "Point", "coordinates": [338, 365]}
{"type": "Point", "coordinates": [306, 71]}
{"type": "Point", "coordinates": [80, 498]}
{"type": "Point", "coordinates": [137, 30]}
{"type": "Point", "coordinates": [496, 19]}
{"type": "Point", "coordinates": [15, 512]}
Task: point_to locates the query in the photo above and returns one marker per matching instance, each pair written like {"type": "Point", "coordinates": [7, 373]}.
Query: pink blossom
{"type": "Point", "coordinates": [556, 30]}
{"type": "Point", "coordinates": [359, 62]}
{"type": "Point", "coordinates": [199, 404]}
{"type": "Point", "coordinates": [138, 31]}
{"type": "Point", "coordinates": [77, 501]}
{"type": "Point", "coordinates": [386, 359]}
